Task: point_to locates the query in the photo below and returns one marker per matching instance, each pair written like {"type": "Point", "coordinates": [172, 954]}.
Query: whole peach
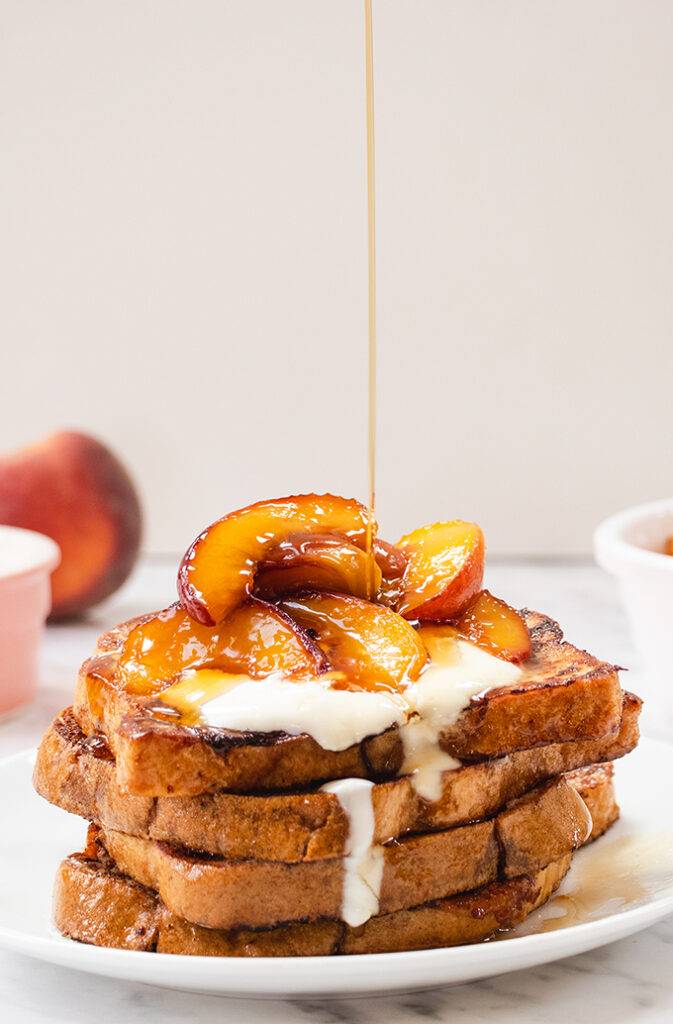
{"type": "Point", "coordinates": [72, 488]}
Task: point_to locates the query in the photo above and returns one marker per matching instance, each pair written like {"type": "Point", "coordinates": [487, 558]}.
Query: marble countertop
{"type": "Point", "coordinates": [628, 981]}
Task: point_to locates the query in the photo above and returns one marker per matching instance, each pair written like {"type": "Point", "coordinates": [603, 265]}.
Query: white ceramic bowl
{"type": "Point", "coordinates": [26, 562]}
{"type": "Point", "coordinates": [629, 545]}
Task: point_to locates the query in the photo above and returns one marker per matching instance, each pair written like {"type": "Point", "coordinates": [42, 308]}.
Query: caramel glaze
{"type": "Point", "coordinates": [96, 745]}
{"type": "Point", "coordinates": [392, 562]}
{"type": "Point", "coordinates": [622, 874]}
{"type": "Point", "coordinates": [100, 675]}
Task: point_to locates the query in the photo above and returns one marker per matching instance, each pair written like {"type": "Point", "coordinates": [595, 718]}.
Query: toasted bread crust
{"type": "Point", "coordinates": [96, 905]}
{"type": "Point", "coordinates": [541, 827]}
{"type": "Point", "coordinates": [595, 783]}
{"type": "Point", "coordinates": [564, 694]}
{"type": "Point", "coordinates": [77, 773]}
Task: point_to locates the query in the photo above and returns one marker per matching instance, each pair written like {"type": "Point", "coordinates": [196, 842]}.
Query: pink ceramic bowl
{"type": "Point", "coordinates": [26, 562]}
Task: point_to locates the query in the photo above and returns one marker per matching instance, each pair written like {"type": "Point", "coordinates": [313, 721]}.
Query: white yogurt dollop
{"type": "Point", "coordinates": [336, 719]}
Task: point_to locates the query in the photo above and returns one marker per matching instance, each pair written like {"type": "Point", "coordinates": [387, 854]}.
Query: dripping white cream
{"type": "Point", "coordinates": [457, 673]}
{"type": "Point", "coordinates": [363, 861]}
{"type": "Point", "coordinates": [336, 719]}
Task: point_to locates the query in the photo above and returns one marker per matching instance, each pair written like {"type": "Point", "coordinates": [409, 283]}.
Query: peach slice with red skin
{"type": "Point", "coordinates": [218, 570]}
{"type": "Point", "coordinates": [373, 646]}
{"type": "Point", "coordinates": [316, 563]}
{"type": "Point", "coordinates": [494, 626]}
{"type": "Point", "coordinates": [257, 639]}
{"type": "Point", "coordinates": [444, 570]}
{"type": "Point", "coordinates": [392, 563]}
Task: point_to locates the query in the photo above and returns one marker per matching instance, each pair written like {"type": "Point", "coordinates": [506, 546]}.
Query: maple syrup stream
{"type": "Point", "coordinates": [371, 275]}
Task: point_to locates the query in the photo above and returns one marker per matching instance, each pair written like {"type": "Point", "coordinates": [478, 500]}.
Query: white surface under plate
{"type": "Point", "coordinates": [617, 887]}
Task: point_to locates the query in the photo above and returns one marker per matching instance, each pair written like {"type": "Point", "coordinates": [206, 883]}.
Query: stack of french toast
{"type": "Point", "coordinates": [329, 745]}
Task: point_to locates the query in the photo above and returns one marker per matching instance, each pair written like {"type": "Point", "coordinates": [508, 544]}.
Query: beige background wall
{"type": "Point", "coordinates": [183, 252]}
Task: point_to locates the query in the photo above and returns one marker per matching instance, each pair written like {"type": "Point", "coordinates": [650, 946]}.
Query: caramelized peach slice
{"type": "Point", "coordinates": [218, 570]}
{"type": "Point", "coordinates": [317, 563]}
{"type": "Point", "coordinates": [490, 623]}
{"type": "Point", "coordinates": [256, 640]}
{"type": "Point", "coordinates": [392, 563]}
{"type": "Point", "coordinates": [668, 546]}
{"type": "Point", "coordinates": [372, 646]}
{"type": "Point", "coordinates": [445, 567]}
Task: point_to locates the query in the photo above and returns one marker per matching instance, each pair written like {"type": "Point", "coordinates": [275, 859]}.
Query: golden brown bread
{"type": "Point", "coordinates": [564, 694]}
{"type": "Point", "coordinates": [538, 828]}
{"type": "Point", "coordinates": [77, 773]}
{"type": "Point", "coordinates": [96, 904]}
{"type": "Point", "coordinates": [595, 783]}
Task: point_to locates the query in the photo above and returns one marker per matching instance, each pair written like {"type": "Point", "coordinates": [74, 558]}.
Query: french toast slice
{"type": "Point", "coordinates": [595, 783]}
{"type": "Point", "coordinates": [564, 694]}
{"type": "Point", "coordinates": [77, 772]}
{"type": "Point", "coordinates": [94, 903]}
{"type": "Point", "coordinates": [535, 830]}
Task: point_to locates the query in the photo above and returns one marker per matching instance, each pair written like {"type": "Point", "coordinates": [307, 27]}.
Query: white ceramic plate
{"type": "Point", "coordinates": [618, 886]}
